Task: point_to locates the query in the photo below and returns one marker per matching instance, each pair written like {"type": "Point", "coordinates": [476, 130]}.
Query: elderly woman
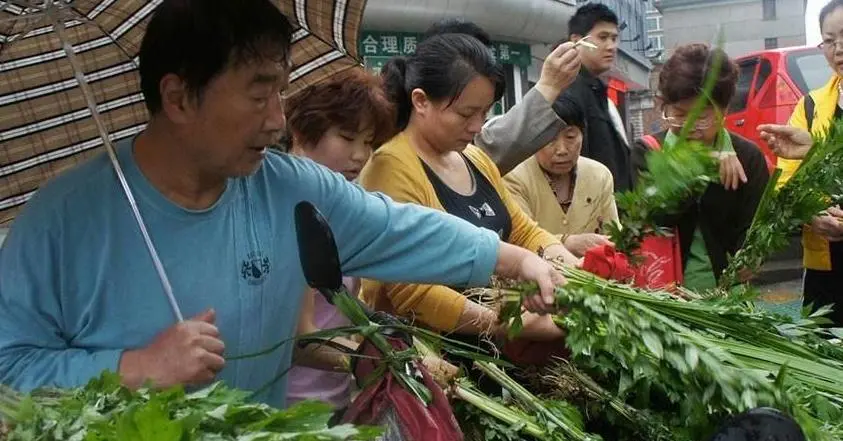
{"type": "Point", "coordinates": [713, 225]}
{"type": "Point", "coordinates": [443, 93]}
{"type": "Point", "coordinates": [336, 123]}
{"type": "Point", "coordinates": [823, 250]}
{"type": "Point", "coordinates": [568, 195]}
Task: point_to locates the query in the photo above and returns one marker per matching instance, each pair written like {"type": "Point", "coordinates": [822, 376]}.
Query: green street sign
{"type": "Point", "coordinates": [375, 45]}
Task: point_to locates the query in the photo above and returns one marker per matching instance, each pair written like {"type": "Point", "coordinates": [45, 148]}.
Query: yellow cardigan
{"type": "Point", "coordinates": [396, 170]}
{"type": "Point", "coordinates": [592, 205]}
{"type": "Point", "coordinates": [816, 255]}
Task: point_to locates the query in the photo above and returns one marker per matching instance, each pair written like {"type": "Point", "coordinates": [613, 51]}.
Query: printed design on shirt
{"type": "Point", "coordinates": [484, 210]}
{"type": "Point", "coordinates": [255, 268]}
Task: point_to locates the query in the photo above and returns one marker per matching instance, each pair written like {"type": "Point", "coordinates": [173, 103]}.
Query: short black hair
{"type": "Point", "coordinates": [198, 39]}
{"type": "Point", "coordinates": [457, 26]}
{"type": "Point", "coordinates": [828, 9]}
{"type": "Point", "coordinates": [587, 16]}
{"type": "Point", "coordinates": [442, 66]}
{"type": "Point", "coordinates": [572, 115]}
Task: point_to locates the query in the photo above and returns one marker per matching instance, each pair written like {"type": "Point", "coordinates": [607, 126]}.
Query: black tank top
{"type": "Point", "coordinates": [484, 208]}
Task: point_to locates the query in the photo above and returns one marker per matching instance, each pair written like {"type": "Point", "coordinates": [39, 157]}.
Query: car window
{"type": "Point", "coordinates": [746, 70]}
{"type": "Point", "coordinates": [764, 71]}
{"type": "Point", "coordinates": [808, 69]}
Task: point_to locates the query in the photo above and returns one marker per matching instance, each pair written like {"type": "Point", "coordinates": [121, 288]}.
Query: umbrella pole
{"type": "Point", "coordinates": [58, 24]}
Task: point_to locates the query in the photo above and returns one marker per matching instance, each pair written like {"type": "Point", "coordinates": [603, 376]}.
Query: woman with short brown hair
{"type": "Point", "coordinates": [714, 225]}
{"type": "Point", "coordinates": [336, 123]}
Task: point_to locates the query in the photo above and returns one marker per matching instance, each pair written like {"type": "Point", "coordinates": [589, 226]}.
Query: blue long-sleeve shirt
{"type": "Point", "coordinates": [77, 286]}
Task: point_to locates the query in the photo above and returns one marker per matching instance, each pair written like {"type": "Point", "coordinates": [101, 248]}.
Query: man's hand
{"type": "Point", "coordinates": [539, 328]}
{"type": "Point", "coordinates": [559, 70]}
{"type": "Point", "coordinates": [517, 263]}
{"type": "Point", "coordinates": [579, 244]}
{"type": "Point", "coordinates": [189, 353]}
{"type": "Point", "coordinates": [786, 141]}
{"type": "Point", "coordinates": [732, 174]}
{"type": "Point", "coordinates": [830, 225]}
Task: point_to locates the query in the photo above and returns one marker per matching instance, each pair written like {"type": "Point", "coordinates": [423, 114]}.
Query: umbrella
{"type": "Point", "coordinates": [69, 84]}
{"type": "Point", "coordinates": [46, 123]}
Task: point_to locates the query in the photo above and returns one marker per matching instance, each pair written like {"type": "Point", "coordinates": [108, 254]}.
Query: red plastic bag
{"type": "Point", "coordinates": [658, 263]}
{"type": "Point", "coordinates": [386, 399]}
{"type": "Point", "coordinates": [661, 263]}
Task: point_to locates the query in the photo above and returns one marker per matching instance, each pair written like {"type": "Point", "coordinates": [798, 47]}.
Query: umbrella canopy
{"type": "Point", "coordinates": [46, 123]}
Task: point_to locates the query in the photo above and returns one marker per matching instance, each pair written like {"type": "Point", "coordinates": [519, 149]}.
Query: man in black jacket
{"type": "Point", "coordinates": [588, 94]}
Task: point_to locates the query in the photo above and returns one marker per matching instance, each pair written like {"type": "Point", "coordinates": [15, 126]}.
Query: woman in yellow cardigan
{"type": "Point", "coordinates": [568, 195]}
{"type": "Point", "coordinates": [443, 93]}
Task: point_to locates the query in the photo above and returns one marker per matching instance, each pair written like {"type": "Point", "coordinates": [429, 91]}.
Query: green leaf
{"type": "Point", "coordinates": [837, 332]}
{"type": "Point", "coordinates": [653, 343]}
{"type": "Point", "coordinates": [692, 356]}
{"type": "Point", "coordinates": [154, 424]}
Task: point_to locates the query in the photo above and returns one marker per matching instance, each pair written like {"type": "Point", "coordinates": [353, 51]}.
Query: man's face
{"type": "Point", "coordinates": [240, 113]}
{"type": "Point", "coordinates": [605, 36]}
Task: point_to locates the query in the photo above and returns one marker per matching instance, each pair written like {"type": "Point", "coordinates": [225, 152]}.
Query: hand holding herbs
{"type": "Point", "coordinates": [104, 410]}
{"type": "Point", "coordinates": [188, 353]}
{"type": "Point", "coordinates": [816, 185]}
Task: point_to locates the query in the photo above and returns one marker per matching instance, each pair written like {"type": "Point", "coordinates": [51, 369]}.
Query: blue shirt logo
{"type": "Point", "coordinates": [255, 268]}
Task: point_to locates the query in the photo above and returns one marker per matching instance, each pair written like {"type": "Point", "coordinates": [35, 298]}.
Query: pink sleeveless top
{"type": "Point", "coordinates": [331, 387]}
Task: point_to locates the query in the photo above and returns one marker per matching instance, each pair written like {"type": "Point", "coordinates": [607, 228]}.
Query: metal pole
{"type": "Point", "coordinates": [55, 13]}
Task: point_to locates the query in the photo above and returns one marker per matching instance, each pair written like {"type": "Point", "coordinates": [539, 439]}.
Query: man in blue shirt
{"type": "Point", "coordinates": [79, 293]}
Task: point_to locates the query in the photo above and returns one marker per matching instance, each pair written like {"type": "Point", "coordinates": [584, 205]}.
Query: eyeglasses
{"type": "Point", "coordinates": [831, 44]}
{"type": "Point", "coordinates": [702, 123]}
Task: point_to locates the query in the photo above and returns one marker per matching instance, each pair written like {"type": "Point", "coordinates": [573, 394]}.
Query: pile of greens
{"type": "Point", "coordinates": [104, 410]}
{"type": "Point", "coordinates": [816, 185]}
{"type": "Point", "coordinates": [694, 363]}
{"type": "Point", "coordinates": [673, 176]}
{"type": "Point", "coordinates": [524, 414]}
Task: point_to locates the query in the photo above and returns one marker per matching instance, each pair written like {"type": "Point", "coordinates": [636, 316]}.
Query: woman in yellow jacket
{"type": "Point", "coordinates": [823, 250]}
{"type": "Point", "coordinates": [443, 93]}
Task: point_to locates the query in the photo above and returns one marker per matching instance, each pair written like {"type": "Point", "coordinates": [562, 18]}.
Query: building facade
{"type": "Point", "coordinates": [655, 34]}
{"type": "Point", "coordinates": [746, 25]}
{"type": "Point", "coordinates": [524, 31]}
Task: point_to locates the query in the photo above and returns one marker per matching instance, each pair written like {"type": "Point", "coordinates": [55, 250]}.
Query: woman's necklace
{"type": "Point", "coordinates": [557, 186]}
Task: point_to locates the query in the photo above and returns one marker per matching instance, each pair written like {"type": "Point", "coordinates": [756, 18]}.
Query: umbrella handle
{"type": "Point", "coordinates": [58, 26]}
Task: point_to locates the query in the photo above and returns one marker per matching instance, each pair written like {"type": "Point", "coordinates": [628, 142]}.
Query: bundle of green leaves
{"type": "Point", "coordinates": [673, 177]}
{"type": "Point", "coordinates": [816, 185]}
{"type": "Point", "coordinates": [104, 410]}
{"type": "Point", "coordinates": [694, 363]}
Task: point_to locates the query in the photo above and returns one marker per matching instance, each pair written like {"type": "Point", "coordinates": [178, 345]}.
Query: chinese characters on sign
{"type": "Point", "coordinates": [377, 47]}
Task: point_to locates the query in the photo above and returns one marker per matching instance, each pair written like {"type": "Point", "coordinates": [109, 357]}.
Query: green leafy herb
{"type": "Point", "coordinates": [104, 410]}
{"type": "Point", "coordinates": [816, 185]}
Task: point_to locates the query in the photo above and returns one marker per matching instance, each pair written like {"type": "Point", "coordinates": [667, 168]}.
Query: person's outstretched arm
{"type": "Point", "coordinates": [531, 124]}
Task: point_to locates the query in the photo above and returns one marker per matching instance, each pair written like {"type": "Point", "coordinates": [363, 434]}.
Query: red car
{"type": "Point", "coordinates": [769, 86]}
